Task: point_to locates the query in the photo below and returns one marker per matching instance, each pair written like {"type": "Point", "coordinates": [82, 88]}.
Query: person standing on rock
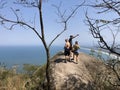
{"type": "Point", "coordinates": [70, 40]}
{"type": "Point", "coordinates": [67, 50]}
{"type": "Point", "coordinates": [76, 47]}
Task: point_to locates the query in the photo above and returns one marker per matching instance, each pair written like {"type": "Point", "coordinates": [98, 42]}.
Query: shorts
{"type": "Point", "coordinates": [67, 52]}
{"type": "Point", "coordinates": [76, 53]}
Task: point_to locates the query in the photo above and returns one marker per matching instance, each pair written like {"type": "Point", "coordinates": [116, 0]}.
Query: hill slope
{"type": "Point", "coordinates": [72, 76]}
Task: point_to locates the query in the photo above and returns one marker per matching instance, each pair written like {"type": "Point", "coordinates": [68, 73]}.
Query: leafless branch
{"type": "Point", "coordinates": [114, 37]}
{"type": "Point", "coordinates": [113, 5]}
{"type": "Point", "coordinates": [15, 14]}
{"type": "Point", "coordinates": [64, 20]}
{"type": "Point", "coordinates": [95, 31]}
{"type": "Point", "coordinates": [95, 27]}
{"type": "Point", "coordinates": [60, 14]}
{"type": "Point", "coordinates": [4, 20]}
{"type": "Point", "coordinates": [107, 5]}
{"type": "Point", "coordinates": [28, 3]}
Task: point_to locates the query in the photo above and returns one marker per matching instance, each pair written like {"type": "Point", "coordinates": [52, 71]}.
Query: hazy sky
{"type": "Point", "coordinates": [25, 36]}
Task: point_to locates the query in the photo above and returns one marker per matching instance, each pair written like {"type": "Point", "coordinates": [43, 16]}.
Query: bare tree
{"type": "Point", "coordinates": [96, 33]}
{"type": "Point", "coordinates": [98, 26]}
{"type": "Point", "coordinates": [19, 21]}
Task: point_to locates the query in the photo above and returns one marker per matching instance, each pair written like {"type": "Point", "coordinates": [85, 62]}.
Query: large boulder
{"type": "Point", "coordinates": [72, 76]}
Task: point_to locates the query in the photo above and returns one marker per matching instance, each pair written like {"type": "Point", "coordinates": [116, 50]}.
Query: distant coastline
{"type": "Point", "coordinates": [105, 52]}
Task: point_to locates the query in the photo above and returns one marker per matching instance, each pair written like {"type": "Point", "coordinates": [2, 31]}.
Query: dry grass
{"type": "Point", "coordinates": [15, 82]}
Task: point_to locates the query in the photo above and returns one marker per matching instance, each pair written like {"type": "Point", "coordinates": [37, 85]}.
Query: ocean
{"type": "Point", "coordinates": [19, 55]}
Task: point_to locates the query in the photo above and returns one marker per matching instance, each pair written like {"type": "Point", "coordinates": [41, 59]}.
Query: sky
{"type": "Point", "coordinates": [21, 36]}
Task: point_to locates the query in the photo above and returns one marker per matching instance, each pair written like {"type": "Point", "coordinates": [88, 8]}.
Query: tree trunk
{"type": "Point", "coordinates": [48, 69]}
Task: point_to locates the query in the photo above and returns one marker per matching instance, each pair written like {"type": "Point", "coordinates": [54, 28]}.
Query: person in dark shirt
{"type": "Point", "coordinates": [70, 40]}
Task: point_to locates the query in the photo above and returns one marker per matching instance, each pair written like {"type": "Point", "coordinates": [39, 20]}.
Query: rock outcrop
{"type": "Point", "coordinates": [72, 76]}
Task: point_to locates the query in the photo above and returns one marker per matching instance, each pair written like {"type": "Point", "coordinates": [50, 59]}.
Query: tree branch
{"type": "Point", "coordinates": [96, 34]}
{"type": "Point", "coordinates": [19, 23]}
{"type": "Point", "coordinates": [64, 20]}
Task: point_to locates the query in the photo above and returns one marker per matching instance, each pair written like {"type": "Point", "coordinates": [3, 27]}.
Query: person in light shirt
{"type": "Point", "coordinates": [76, 48]}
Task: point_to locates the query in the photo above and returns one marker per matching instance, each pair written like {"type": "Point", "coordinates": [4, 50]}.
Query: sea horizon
{"type": "Point", "coordinates": [11, 55]}
{"type": "Point", "coordinates": [19, 55]}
